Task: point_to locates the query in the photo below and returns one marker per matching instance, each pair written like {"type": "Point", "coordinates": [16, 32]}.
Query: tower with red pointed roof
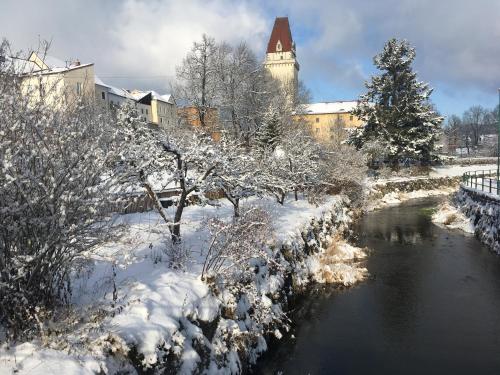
{"type": "Point", "coordinates": [281, 60]}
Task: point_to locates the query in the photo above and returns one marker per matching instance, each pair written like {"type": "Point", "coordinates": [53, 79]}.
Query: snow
{"type": "Point", "coordinates": [451, 217]}
{"type": "Point", "coordinates": [340, 264]}
{"type": "Point", "coordinates": [395, 197]}
{"type": "Point", "coordinates": [330, 107]}
{"type": "Point", "coordinates": [29, 358]}
{"type": "Point", "coordinates": [154, 304]}
{"type": "Point", "coordinates": [457, 170]}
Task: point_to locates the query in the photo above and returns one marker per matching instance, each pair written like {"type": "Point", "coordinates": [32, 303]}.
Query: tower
{"type": "Point", "coordinates": [281, 60]}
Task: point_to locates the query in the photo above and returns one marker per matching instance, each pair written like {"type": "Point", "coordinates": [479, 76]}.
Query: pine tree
{"type": "Point", "coordinates": [396, 109]}
{"type": "Point", "coordinates": [271, 129]}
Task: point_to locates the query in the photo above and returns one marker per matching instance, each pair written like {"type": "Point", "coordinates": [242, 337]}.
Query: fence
{"type": "Point", "coordinates": [483, 180]}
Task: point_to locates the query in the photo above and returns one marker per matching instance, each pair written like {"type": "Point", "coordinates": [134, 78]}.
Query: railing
{"type": "Point", "coordinates": [484, 180]}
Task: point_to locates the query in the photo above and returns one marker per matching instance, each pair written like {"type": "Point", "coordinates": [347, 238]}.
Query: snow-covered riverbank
{"type": "Point", "coordinates": [132, 311]}
{"type": "Point", "coordinates": [444, 180]}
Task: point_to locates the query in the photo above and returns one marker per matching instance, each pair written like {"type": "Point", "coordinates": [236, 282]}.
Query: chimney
{"type": "Point", "coordinates": [75, 63]}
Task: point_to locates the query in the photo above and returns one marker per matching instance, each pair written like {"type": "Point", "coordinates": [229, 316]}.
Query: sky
{"type": "Point", "coordinates": [138, 43]}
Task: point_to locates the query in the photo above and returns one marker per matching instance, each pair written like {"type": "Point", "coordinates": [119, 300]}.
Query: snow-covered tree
{"type": "Point", "coordinates": [58, 178]}
{"type": "Point", "coordinates": [298, 157]}
{"type": "Point", "coordinates": [342, 169]}
{"type": "Point", "coordinates": [396, 107]}
{"type": "Point", "coordinates": [196, 77]}
{"type": "Point", "coordinates": [235, 174]}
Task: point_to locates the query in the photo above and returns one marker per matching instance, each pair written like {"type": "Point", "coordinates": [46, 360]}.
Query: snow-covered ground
{"type": "Point", "coordinates": [397, 197]}
{"type": "Point", "coordinates": [457, 170]}
{"type": "Point", "coordinates": [451, 217]}
{"type": "Point", "coordinates": [128, 297]}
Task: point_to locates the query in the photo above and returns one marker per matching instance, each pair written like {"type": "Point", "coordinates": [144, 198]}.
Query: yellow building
{"type": "Point", "coordinates": [56, 81]}
{"type": "Point", "coordinates": [329, 122]}
{"type": "Point", "coordinates": [163, 110]}
{"type": "Point", "coordinates": [281, 61]}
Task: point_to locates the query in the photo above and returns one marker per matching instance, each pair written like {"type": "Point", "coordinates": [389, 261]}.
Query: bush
{"type": "Point", "coordinates": [57, 171]}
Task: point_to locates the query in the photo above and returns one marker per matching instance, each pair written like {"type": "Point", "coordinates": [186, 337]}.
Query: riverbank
{"type": "Point", "coordinates": [430, 305]}
{"type": "Point", "coordinates": [483, 211]}
{"type": "Point", "coordinates": [133, 312]}
{"type": "Point", "coordinates": [443, 180]}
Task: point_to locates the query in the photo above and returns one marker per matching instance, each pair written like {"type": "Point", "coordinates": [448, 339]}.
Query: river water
{"type": "Point", "coordinates": [430, 306]}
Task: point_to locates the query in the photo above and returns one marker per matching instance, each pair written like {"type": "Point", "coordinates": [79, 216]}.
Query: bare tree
{"type": "Point", "coordinates": [197, 78]}
{"type": "Point", "coordinates": [476, 120]}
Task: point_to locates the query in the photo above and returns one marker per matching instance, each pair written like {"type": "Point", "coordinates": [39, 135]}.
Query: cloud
{"type": "Point", "coordinates": [132, 43]}
{"type": "Point", "coordinates": [456, 40]}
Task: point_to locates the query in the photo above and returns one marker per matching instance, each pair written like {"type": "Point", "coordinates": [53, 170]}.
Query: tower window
{"type": "Point", "coordinates": [103, 95]}
{"type": "Point", "coordinates": [279, 47]}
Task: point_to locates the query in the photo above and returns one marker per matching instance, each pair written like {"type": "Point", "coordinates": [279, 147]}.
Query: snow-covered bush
{"type": "Point", "coordinates": [234, 245]}
{"type": "Point", "coordinates": [57, 171]}
{"type": "Point", "coordinates": [343, 170]}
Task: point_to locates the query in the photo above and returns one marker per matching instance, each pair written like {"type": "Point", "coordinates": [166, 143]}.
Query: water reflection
{"type": "Point", "coordinates": [431, 306]}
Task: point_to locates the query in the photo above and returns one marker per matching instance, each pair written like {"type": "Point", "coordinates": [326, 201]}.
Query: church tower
{"type": "Point", "coordinates": [280, 57]}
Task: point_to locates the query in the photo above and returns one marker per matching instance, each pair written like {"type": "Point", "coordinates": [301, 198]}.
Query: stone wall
{"type": "Point", "coordinates": [484, 211]}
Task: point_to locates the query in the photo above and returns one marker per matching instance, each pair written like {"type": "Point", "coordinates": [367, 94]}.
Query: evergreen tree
{"type": "Point", "coordinates": [396, 109]}
{"type": "Point", "coordinates": [271, 129]}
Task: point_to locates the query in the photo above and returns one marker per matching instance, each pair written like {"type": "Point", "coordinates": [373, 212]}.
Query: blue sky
{"type": "Point", "coordinates": [138, 43]}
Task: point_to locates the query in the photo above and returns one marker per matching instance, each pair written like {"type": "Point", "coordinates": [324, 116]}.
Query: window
{"type": "Point", "coordinates": [103, 95]}
{"type": "Point", "coordinates": [142, 111]}
{"type": "Point", "coordinates": [317, 130]}
{"type": "Point", "coordinates": [279, 47]}
{"type": "Point", "coordinates": [146, 111]}
{"type": "Point", "coordinates": [161, 120]}
{"type": "Point", "coordinates": [351, 117]}
{"type": "Point", "coordinates": [317, 119]}
{"type": "Point", "coordinates": [79, 88]}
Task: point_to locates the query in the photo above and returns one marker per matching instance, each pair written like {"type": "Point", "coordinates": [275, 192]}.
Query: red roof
{"type": "Point", "coordinates": [281, 31]}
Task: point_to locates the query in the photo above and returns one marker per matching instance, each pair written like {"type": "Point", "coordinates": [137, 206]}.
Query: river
{"type": "Point", "coordinates": [430, 306]}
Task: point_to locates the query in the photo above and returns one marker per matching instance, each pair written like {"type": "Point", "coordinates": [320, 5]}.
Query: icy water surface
{"type": "Point", "coordinates": [431, 306]}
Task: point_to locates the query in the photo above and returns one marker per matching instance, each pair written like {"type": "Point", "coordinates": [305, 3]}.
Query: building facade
{"type": "Point", "coordinates": [329, 122]}
{"type": "Point", "coordinates": [281, 60]}
{"type": "Point", "coordinates": [55, 81]}
{"type": "Point", "coordinates": [191, 116]}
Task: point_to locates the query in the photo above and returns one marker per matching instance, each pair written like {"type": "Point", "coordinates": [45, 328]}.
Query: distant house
{"type": "Point", "coordinates": [56, 81]}
{"type": "Point", "coordinates": [329, 121]}
{"type": "Point", "coordinates": [163, 108]}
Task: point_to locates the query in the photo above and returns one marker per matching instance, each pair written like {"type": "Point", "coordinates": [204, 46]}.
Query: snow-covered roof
{"type": "Point", "coordinates": [120, 92]}
{"type": "Point", "coordinates": [44, 64]}
{"type": "Point", "coordinates": [99, 82]}
{"type": "Point", "coordinates": [330, 107]}
{"type": "Point", "coordinates": [167, 98]}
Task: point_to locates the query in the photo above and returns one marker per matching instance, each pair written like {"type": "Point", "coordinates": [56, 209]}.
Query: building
{"type": "Point", "coordinates": [190, 116]}
{"type": "Point", "coordinates": [56, 81]}
{"type": "Point", "coordinates": [163, 110]}
{"type": "Point", "coordinates": [330, 121]}
{"type": "Point", "coordinates": [281, 60]}
{"type": "Point", "coordinates": [113, 97]}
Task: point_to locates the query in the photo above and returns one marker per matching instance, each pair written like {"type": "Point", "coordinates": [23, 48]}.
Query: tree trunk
{"type": "Point", "coordinates": [176, 226]}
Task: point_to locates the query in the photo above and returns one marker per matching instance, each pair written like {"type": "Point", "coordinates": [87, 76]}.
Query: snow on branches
{"type": "Point", "coordinates": [396, 108]}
